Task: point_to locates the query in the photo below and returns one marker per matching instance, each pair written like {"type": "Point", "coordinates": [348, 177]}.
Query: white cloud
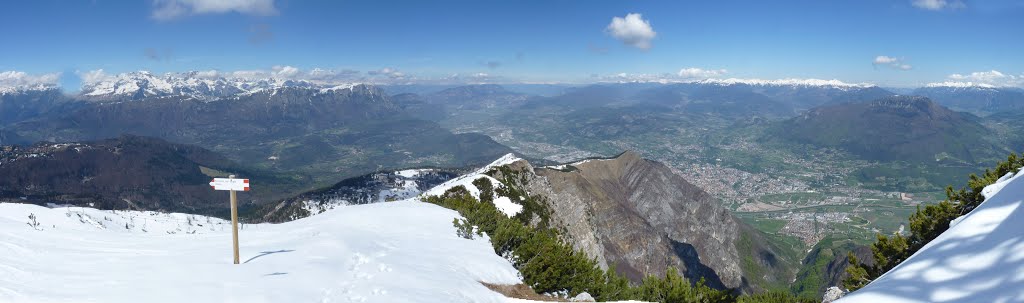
{"type": "Point", "coordinates": [693, 72]}
{"type": "Point", "coordinates": [318, 75]}
{"type": "Point", "coordinates": [989, 76]}
{"type": "Point", "coordinates": [788, 81]}
{"type": "Point", "coordinates": [93, 76]}
{"type": "Point", "coordinates": [16, 79]}
{"type": "Point", "coordinates": [992, 78]}
{"type": "Point", "coordinates": [171, 9]}
{"type": "Point", "coordinates": [476, 78]}
{"type": "Point", "coordinates": [287, 72]}
{"type": "Point", "coordinates": [249, 74]}
{"type": "Point", "coordinates": [885, 60]}
{"type": "Point", "coordinates": [387, 72]}
{"type": "Point", "coordinates": [632, 30]}
{"type": "Point", "coordinates": [208, 74]}
{"type": "Point", "coordinates": [935, 5]}
{"type": "Point", "coordinates": [892, 62]}
{"type": "Point", "coordinates": [689, 74]}
{"type": "Point", "coordinates": [666, 78]}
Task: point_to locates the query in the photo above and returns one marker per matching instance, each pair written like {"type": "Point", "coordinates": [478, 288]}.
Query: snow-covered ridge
{"type": "Point", "coordinates": [384, 187]}
{"type": "Point", "coordinates": [953, 84]}
{"type": "Point", "coordinates": [504, 204]}
{"type": "Point", "coordinates": [197, 85]}
{"type": "Point", "coordinates": [786, 82]}
{"type": "Point", "coordinates": [980, 258]}
{"type": "Point", "coordinates": [91, 219]}
{"type": "Point", "coordinates": [794, 82]}
{"type": "Point", "coordinates": [566, 166]}
{"type": "Point", "coordinates": [17, 82]}
{"type": "Point", "coordinates": [26, 88]}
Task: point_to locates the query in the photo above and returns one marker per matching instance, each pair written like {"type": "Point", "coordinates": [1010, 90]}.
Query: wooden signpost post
{"type": "Point", "coordinates": [232, 184]}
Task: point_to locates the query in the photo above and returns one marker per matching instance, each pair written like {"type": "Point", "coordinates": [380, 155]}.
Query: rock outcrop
{"type": "Point", "coordinates": [832, 294]}
{"type": "Point", "coordinates": [639, 217]}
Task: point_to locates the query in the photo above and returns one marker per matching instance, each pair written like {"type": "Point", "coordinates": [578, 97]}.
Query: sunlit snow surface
{"type": "Point", "coordinates": [979, 259]}
{"type": "Point", "coordinates": [405, 251]}
{"type": "Point", "coordinates": [386, 252]}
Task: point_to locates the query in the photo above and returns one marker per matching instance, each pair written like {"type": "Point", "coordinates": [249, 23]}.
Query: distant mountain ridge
{"type": "Point", "coordinates": [731, 97]}
{"type": "Point", "coordinates": [128, 172]}
{"type": "Point", "coordinates": [332, 132]}
{"type": "Point", "coordinates": [22, 104]}
{"type": "Point", "coordinates": [196, 85]}
{"type": "Point", "coordinates": [977, 99]}
{"type": "Point", "coordinates": [905, 128]}
{"type": "Point", "coordinates": [477, 97]}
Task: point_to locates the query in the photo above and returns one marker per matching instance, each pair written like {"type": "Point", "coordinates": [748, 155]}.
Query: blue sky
{"type": "Point", "coordinates": [895, 43]}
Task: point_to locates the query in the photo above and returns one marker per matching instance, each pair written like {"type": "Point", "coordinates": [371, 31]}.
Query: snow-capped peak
{"type": "Point", "coordinates": [18, 82]}
{"type": "Point", "coordinates": [786, 82]}
{"type": "Point", "coordinates": [508, 158]}
{"type": "Point", "coordinates": [954, 84]}
{"type": "Point", "coordinates": [26, 88]}
{"type": "Point", "coordinates": [194, 84]}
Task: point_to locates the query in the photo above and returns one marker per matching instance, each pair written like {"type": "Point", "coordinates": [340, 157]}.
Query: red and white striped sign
{"type": "Point", "coordinates": [230, 184]}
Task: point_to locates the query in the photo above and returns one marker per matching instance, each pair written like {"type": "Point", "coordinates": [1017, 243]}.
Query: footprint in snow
{"type": "Point", "coordinates": [363, 275]}
{"type": "Point", "coordinates": [358, 260]}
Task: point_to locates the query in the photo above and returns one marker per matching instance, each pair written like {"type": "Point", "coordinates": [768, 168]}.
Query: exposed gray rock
{"type": "Point", "coordinates": [583, 297]}
{"type": "Point", "coordinates": [833, 293]}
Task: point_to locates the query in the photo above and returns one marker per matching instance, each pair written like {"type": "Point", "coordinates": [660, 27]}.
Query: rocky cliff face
{"type": "Point", "coordinates": [638, 216]}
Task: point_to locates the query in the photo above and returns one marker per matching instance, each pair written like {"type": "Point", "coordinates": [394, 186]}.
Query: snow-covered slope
{"type": "Point", "coordinates": [979, 259]}
{"type": "Point", "coordinates": [504, 204]}
{"type": "Point", "coordinates": [5, 90]}
{"type": "Point", "coordinates": [196, 85]}
{"type": "Point", "coordinates": [404, 251]}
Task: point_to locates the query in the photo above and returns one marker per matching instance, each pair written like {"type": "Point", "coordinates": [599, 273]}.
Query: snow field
{"type": "Point", "coordinates": [404, 251]}
{"type": "Point", "coordinates": [979, 259]}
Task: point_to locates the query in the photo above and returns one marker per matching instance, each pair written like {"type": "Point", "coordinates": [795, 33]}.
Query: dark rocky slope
{"type": "Point", "coordinates": [129, 172]}
{"type": "Point", "coordinates": [639, 216]}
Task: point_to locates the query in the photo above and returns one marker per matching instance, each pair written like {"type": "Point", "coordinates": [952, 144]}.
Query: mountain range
{"type": "Point", "coordinates": [977, 99]}
{"type": "Point", "coordinates": [149, 142]}
{"type": "Point", "coordinates": [195, 85]}
{"type": "Point", "coordinates": [893, 128]}
{"type": "Point", "coordinates": [331, 133]}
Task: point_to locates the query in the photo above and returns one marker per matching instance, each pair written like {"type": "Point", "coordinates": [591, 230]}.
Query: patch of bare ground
{"type": "Point", "coordinates": [521, 291]}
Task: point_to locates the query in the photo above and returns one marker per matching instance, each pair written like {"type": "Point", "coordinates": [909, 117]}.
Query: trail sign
{"type": "Point", "coordinates": [232, 184]}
